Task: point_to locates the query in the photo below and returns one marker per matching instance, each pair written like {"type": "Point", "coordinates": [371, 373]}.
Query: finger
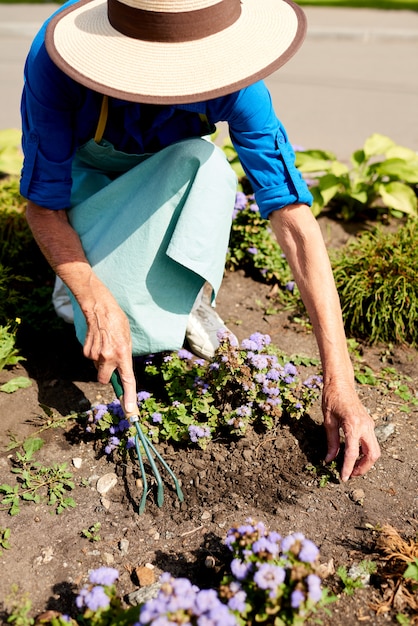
{"type": "Point", "coordinates": [333, 442]}
{"type": "Point", "coordinates": [128, 380]}
{"type": "Point", "coordinates": [351, 454]}
{"type": "Point", "coordinates": [369, 458]}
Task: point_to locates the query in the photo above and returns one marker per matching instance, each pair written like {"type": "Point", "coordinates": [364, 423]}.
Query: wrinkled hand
{"type": "Point", "coordinates": [108, 343]}
{"type": "Point", "coordinates": [342, 409]}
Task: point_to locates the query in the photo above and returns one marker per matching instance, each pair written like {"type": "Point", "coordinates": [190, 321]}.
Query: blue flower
{"type": "Point", "coordinates": [93, 599]}
{"type": "Point", "coordinates": [297, 597]}
{"type": "Point", "coordinates": [104, 576]}
{"type": "Point", "coordinates": [314, 587]}
{"type": "Point", "coordinates": [143, 395]}
{"type": "Point", "coordinates": [269, 576]}
{"type": "Point", "coordinates": [240, 569]}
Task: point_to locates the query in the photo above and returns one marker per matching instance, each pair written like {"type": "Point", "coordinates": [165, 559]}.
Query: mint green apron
{"type": "Point", "coordinates": [154, 228]}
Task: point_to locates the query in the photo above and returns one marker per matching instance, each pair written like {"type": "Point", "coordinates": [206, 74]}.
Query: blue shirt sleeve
{"type": "Point", "coordinates": [263, 148]}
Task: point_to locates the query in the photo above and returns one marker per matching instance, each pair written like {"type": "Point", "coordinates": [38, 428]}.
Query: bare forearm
{"type": "Point", "coordinates": [300, 238]}
{"type": "Point", "coordinates": [62, 248]}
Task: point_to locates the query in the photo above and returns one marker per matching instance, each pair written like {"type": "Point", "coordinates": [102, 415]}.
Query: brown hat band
{"type": "Point", "coordinates": [172, 27]}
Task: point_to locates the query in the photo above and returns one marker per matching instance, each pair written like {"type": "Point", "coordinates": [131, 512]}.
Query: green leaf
{"type": "Point", "coordinates": [32, 445]}
{"type": "Point", "coordinates": [398, 196]}
{"type": "Point", "coordinates": [399, 169]}
{"type": "Point", "coordinates": [19, 382]}
{"type": "Point", "coordinates": [377, 144]}
{"type": "Point", "coordinates": [314, 161]}
{"type": "Point", "coordinates": [412, 570]}
{"type": "Point", "coordinates": [329, 186]}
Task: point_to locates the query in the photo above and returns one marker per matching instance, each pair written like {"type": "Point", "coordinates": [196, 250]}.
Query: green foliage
{"type": "Point", "coordinates": [4, 539]}
{"type": "Point", "coordinates": [383, 178]}
{"type": "Point", "coordinates": [11, 157]}
{"type": "Point", "coordinates": [92, 533]}
{"type": "Point", "coordinates": [376, 280]}
{"type": "Point", "coordinates": [411, 572]}
{"type": "Point", "coordinates": [249, 385]}
{"type": "Point", "coordinates": [9, 355]}
{"type": "Point", "coordinates": [356, 578]}
{"type": "Point", "coordinates": [37, 483]}
{"type": "Point", "coordinates": [324, 474]}
{"type": "Point", "coordinates": [18, 609]}
{"type": "Point", "coordinates": [26, 280]}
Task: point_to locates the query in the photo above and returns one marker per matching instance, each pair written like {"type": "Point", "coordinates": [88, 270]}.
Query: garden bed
{"type": "Point", "coordinates": [274, 476]}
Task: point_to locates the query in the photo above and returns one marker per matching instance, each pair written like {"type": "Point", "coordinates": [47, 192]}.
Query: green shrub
{"type": "Point", "coordinates": [376, 276]}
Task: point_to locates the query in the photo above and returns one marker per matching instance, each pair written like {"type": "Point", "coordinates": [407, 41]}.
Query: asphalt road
{"type": "Point", "coordinates": [356, 74]}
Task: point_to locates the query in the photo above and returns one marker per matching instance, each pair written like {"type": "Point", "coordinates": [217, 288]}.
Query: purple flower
{"type": "Point", "coordinates": [93, 599]}
{"type": "Point", "coordinates": [99, 411]}
{"type": "Point", "coordinates": [104, 576]}
{"type": "Point", "coordinates": [264, 545]}
{"type": "Point", "coordinates": [297, 597]}
{"type": "Point", "coordinates": [269, 576]}
{"type": "Point", "coordinates": [157, 418]}
{"type": "Point", "coordinates": [290, 286]}
{"type": "Point", "coordinates": [240, 569]}
{"type": "Point", "coordinates": [130, 443]}
{"type": "Point", "coordinates": [314, 587]}
{"type": "Point", "coordinates": [143, 395]}
{"type": "Point", "coordinates": [198, 432]}
{"type": "Point", "coordinates": [290, 369]}
{"type": "Point", "coordinates": [254, 207]}
{"type": "Point", "coordinates": [253, 250]}
{"type": "Point", "coordinates": [123, 425]}
{"type": "Point", "coordinates": [237, 602]}
{"type": "Point", "coordinates": [184, 354]}
{"type": "Point", "coordinates": [240, 201]}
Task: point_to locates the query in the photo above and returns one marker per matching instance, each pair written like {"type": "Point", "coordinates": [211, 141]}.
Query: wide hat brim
{"type": "Point", "coordinates": [82, 42]}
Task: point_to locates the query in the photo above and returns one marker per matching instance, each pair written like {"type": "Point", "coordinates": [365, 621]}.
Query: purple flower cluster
{"type": "Point", "coordinates": [94, 596]}
{"type": "Point", "coordinates": [280, 572]}
{"type": "Point", "coordinates": [180, 602]}
{"type": "Point", "coordinates": [198, 432]}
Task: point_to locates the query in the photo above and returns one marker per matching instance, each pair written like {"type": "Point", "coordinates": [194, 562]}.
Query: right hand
{"type": "Point", "coordinates": [108, 343]}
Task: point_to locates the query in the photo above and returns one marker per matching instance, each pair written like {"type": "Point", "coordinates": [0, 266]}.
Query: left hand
{"type": "Point", "coordinates": [342, 409]}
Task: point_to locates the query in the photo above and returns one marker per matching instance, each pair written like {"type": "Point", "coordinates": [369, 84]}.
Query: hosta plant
{"type": "Point", "coordinates": [382, 177]}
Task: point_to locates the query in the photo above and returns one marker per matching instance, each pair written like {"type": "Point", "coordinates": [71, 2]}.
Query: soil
{"type": "Point", "coordinates": [263, 475]}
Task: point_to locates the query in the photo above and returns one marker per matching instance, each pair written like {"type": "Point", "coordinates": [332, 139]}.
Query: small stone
{"type": "Point", "coordinates": [77, 462]}
{"type": "Point", "coordinates": [106, 483]}
{"type": "Point", "coordinates": [206, 515]}
{"type": "Point", "coordinates": [124, 546]}
{"type": "Point", "coordinates": [357, 496]}
{"type": "Point", "coordinates": [108, 558]}
{"type": "Point", "coordinates": [145, 575]}
{"type": "Point", "coordinates": [210, 562]}
{"type": "Point", "coordinates": [384, 431]}
{"type": "Point", "coordinates": [139, 596]}
{"type": "Point", "coordinates": [105, 502]}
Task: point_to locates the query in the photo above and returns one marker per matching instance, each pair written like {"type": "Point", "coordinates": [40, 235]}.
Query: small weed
{"type": "Point", "coordinates": [324, 474]}
{"type": "Point", "coordinates": [18, 608]}
{"type": "Point", "coordinates": [356, 577]}
{"type": "Point", "coordinates": [92, 533]}
{"type": "Point", "coordinates": [4, 539]}
{"type": "Point", "coordinates": [37, 483]}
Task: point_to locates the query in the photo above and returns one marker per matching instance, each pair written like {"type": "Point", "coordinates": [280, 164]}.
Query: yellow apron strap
{"type": "Point", "coordinates": [101, 125]}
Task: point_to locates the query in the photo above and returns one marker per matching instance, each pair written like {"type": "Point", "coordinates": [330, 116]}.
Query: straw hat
{"type": "Point", "coordinates": [173, 51]}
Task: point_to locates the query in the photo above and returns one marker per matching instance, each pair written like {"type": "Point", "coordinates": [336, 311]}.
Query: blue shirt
{"type": "Point", "coordinates": [59, 115]}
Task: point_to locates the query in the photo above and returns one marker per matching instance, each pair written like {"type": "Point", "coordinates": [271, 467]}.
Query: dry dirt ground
{"type": "Point", "coordinates": [263, 476]}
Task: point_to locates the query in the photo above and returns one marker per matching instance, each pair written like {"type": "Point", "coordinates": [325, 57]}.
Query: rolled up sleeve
{"type": "Point", "coordinates": [265, 151]}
